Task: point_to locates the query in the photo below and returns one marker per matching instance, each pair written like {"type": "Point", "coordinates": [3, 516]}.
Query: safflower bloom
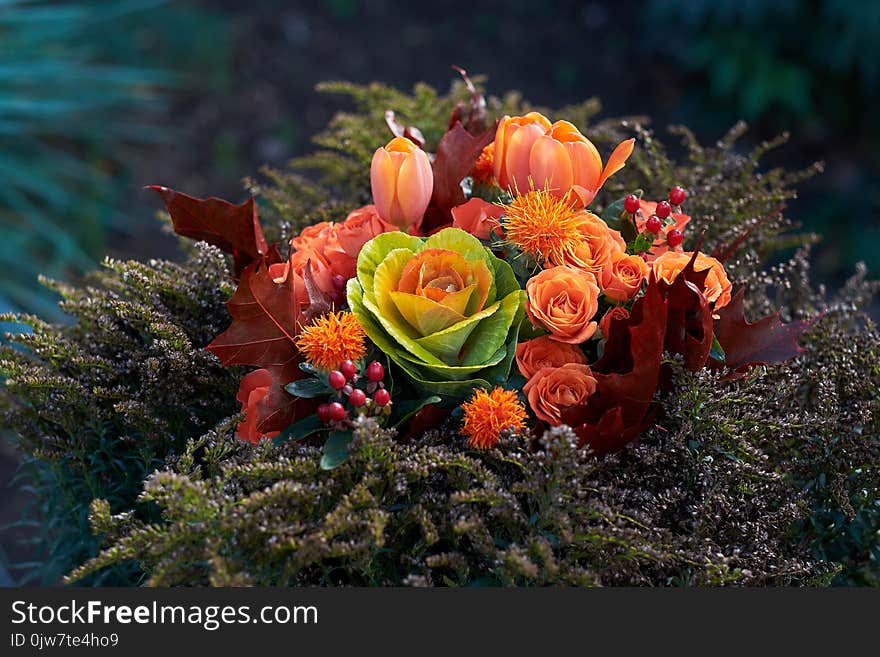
{"type": "Point", "coordinates": [543, 226]}
{"type": "Point", "coordinates": [553, 389]}
{"type": "Point", "coordinates": [487, 414]}
{"type": "Point", "coordinates": [622, 277]}
{"type": "Point", "coordinates": [251, 391]}
{"type": "Point", "coordinates": [331, 339]}
{"type": "Point", "coordinates": [717, 287]}
{"type": "Point", "coordinates": [536, 354]}
{"type": "Point", "coordinates": [564, 301]}
{"type": "Point", "coordinates": [483, 172]}
{"type": "Point", "coordinates": [402, 182]}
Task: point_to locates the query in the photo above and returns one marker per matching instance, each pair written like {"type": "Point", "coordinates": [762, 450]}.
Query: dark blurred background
{"type": "Point", "coordinates": [98, 98]}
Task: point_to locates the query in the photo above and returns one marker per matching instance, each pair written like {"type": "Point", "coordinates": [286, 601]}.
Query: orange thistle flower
{"type": "Point", "coordinates": [487, 414]}
{"type": "Point", "coordinates": [484, 168]}
{"type": "Point", "coordinates": [331, 339]}
{"type": "Point", "coordinates": [543, 226]}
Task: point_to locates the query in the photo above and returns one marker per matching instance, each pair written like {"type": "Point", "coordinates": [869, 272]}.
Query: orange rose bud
{"type": "Point", "coordinates": [553, 389]}
{"type": "Point", "coordinates": [622, 277]}
{"type": "Point", "coordinates": [513, 145]}
{"type": "Point", "coordinates": [478, 217]}
{"type": "Point", "coordinates": [402, 182]}
{"type": "Point", "coordinates": [533, 355]}
{"type": "Point", "coordinates": [617, 312]}
{"type": "Point", "coordinates": [253, 388]}
{"type": "Point", "coordinates": [598, 246]}
{"type": "Point", "coordinates": [564, 300]}
{"type": "Point", "coordinates": [717, 287]}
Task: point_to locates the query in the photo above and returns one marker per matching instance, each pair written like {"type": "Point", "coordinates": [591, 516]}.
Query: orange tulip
{"type": "Point", "coordinates": [402, 182]}
{"type": "Point", "coordinates": [530, 153]}
{"type": "Point", "coordinates": [513, 142]}
{"type": "Point", "coordinates": [568, 164]}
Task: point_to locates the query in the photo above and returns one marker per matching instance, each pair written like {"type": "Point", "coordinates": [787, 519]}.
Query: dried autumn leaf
{"type": "Point", "coordinates": [457, 152]}
{"type": "Point", "coordinates": [234, 229]}
{"type": "Point", "coordinates": [279, 409]}
{"type": "Point", "coordinates": [766, 341]}
{"type": "Point", "coordinates": [265, 320]}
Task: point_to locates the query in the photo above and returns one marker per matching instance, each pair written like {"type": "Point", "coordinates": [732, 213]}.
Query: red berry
{"type": "Point", "coordinates": [375, 371]}
{"type": "Point", "coordinates": [339, 281]}
{"type": "Point", "coordinates": [677, 195]}
{"type": "Point", "coordinates": [674, 237]}
{"type": "Point", "coordinates": [324, 412]}
{"type": "Point", "coordinates": [382, 397]}
{"type": "Point", "coordinates": [336, 379]}
{"type": "Point", "coordinates": [663, 209]}
{"type": "Point", "coordinates": [631, 204]}
{"type": "Point", "coordinates": [347, 368]}
{"type": "Point", "coordinates": [653, 225]}
{"type": "Point", "coordinates": [336, 412]}
{"type": "Point", "coordinates": [357, 397]}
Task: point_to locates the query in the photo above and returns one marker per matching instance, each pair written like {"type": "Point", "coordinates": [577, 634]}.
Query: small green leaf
{"type": "Point", "coordinates": [308, 388]}
{"type": "Point", "coordinates": [404, 411]}
{"type": "Point", "coordinates": [335, 450]}
{"type": "Point", "coordinates": [308, 368]}
{"type": "Point", "coordinates": [641, 244]}
{"type": "Point", "coordinates": [717, 351]}
{"type": "Point", "coordinates": [299, 430]}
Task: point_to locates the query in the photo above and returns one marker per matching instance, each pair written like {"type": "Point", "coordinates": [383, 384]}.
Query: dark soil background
{"type": "Point", "coordinates": [806, 67]}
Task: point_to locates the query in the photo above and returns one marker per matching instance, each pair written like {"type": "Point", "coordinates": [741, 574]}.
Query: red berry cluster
{"type": "Point", "coordinates": [344, 381]}
{"type": "Point", "coordinates": [654, 223]}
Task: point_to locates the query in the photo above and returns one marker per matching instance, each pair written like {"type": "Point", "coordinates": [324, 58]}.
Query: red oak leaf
{"type": "Point", "coordinates": [627, 376]}
{"type": "Point", "coordinates": [456, 154]}
{"type": "Point", "coordinates": [265, 320]}
{"type": "Point", "coordinates": [745, 344]}
{"type": "Point", "coordinates": [234, 229]}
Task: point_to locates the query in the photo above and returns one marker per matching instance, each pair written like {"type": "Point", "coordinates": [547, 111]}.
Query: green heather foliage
{"type": "Point", "coordinates": [772, 479]}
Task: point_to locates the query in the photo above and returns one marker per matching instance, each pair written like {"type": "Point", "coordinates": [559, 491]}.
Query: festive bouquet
{"type": "Point", "coordinates": [497, 349]}
{"type": "Point", "coordinates": [478, 284]}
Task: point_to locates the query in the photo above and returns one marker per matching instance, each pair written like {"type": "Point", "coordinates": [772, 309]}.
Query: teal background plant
{"type": "Point", "coordinates": [440, 356]}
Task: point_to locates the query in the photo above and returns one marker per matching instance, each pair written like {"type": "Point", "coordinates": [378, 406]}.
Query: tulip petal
{"type": "Point", "coordinates": [587, 164]}
{"type": "Point", "coordinates": [415, 183]}
{"type": "Point", "coordinates": [383, 182]}
{"type": "Point", "coordinates": [550, 166]}
{"type": "Point", "coordinates": [617, 160]}
{"type": "Point", "coordinates": [423, 314]}
{"type": "Point", "coordinates": [517, 156]}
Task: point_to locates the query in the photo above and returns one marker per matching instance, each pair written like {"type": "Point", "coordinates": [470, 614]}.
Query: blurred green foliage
{"type": "Point", "coordinates": [809, 66]}
{"type": "Point", "coordinates": [80, 86]}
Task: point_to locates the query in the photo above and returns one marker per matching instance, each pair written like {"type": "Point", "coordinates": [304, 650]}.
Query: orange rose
{"type": "Point", "coordinates": [360, 226]}
{"type": "Point", "coordinates": [622, 277]}
{"type": "Point", "coordinates": [478, 218]}
{"type": "Point", "coordinates": [402, 182]}
{"type": "Point", "coordinates": [553, 389]}
{"type": "Point", "coordinates": [533, 355]}
{"type": "Point", "coordinates": [717, 287]}
{"type": "Point", "coordinates": [253, 388]}
{"type": "Point", "coordinates": [599, 246]}
{"type": "Point", "coordinates": [617, 312]}
{"type": "Point", "coordinates": [646, 209]}
{"type": "Point", "coordinates": [564, 300]}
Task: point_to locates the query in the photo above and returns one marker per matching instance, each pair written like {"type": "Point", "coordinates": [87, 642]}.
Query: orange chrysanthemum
{"type": "Point", "coordinates": [331, 339]}
{"type": "Point", "coordinates": [543, 226]}
{"type": "Point", "coordinates": [484, 168]}
{"type": "Point", "coordinates": [487, 414]}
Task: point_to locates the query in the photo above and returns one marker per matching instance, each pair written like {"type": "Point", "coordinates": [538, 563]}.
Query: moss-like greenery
{"type": "Point", "coordinates": [773, 479]}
